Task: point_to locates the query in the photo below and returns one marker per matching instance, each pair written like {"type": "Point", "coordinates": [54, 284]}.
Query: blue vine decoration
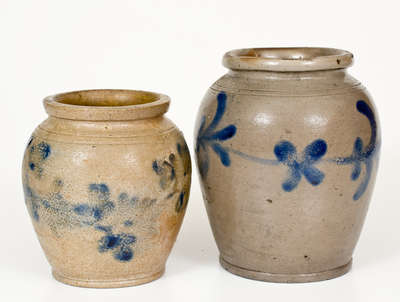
{"type": "Point", "coordinates": [286, 154]}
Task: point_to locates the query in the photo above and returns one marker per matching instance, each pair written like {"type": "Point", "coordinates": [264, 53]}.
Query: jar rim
{"type": "Point", "coordinates": [288, 59]}
{"type": "Point", "coordinates": [106, 105]}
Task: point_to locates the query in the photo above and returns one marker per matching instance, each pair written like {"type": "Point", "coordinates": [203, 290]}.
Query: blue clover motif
{"type": "Point", "coordinates": [209, 137]}
{"type": "Point", "coordinates": [286, 154]}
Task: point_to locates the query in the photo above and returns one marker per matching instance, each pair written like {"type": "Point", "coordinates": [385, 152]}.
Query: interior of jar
{"type": "Point", "coordinates": [106, 105]}
{"type": "Point", "coordinates": [106, 98]}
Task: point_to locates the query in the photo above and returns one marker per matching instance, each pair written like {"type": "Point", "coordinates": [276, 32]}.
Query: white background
{"type": "Point", "coordinates": [175, 47]}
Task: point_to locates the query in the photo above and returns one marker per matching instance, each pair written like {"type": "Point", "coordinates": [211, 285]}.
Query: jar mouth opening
{"type": "Point", "coordinates": [106, 104]}
{"type": "Point", "coordinates": [288, 59]}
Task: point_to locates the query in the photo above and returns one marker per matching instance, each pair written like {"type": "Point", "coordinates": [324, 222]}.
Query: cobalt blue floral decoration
{"type": "Point", "coordinates": [107, 180]}
{"type": "Point", "coordinates": [360, 154]}
{"type": "Point", "coordinates": [286, 152]}
{"type": "Point", "coordinates": [209, 137]}
{"type": "Point", "coordinates": [287, 147]}
{"type": "Point", "coordinates": [304, 165]}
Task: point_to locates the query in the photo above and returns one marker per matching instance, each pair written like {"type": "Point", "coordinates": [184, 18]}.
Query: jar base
{"type": "Point", "coordinates": [107, 283]}
{"type": "Point", "coordinates": [286, 278]}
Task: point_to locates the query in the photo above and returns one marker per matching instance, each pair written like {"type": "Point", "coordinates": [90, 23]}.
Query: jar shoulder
{"type": "Point", "coordinates": [259, 122]}
{"type": "Point", "coordinates": [147, 131]}
{"type": "Point", "coordinates": [288, 84]}
{"type": "Point", "coordinates": [251, 93]}
{"type": "Point", "coordinates": [144, 164]}
{"type": "Point", "coordinates": [246, 105]}
{"type": "Point", "coordinates": [77, 147]}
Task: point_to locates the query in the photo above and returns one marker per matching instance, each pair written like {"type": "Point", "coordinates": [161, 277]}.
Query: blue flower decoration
{"type": "Point", "coordinates": [118, 243]}
{"type": "Point", "coordinates": [38, 154]}
{"type": "Point", "coordinates": [361, 154]}
{"type": "Point", "coordinates": [90, 214]}
{"type": "Point", "coordinates": [286, 153]}
{"type": "Point", "coordinates": [209, 137]}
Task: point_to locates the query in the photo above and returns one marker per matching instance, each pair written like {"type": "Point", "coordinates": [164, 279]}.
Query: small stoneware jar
{"type": "Point", "coordinates": [106, 180]}
{"type": "Point", "coordinates": [287, 146]}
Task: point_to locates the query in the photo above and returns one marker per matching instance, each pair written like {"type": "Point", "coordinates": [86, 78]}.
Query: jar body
{"type": "Point", "coordinates": [287, 163]}
{"type": "Point", "coordinates": [106, 198]}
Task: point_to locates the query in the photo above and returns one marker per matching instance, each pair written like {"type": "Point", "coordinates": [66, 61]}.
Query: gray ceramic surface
{"type": "Point", "coordinates": [287, 146]}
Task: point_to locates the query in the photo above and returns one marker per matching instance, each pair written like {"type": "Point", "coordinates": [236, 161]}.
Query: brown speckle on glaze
{"type": "Point", "coordinates": [102, 181]}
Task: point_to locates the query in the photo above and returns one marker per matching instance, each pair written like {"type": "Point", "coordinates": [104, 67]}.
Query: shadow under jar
{"type": "Point", "coordinates": [287, 146]}
{"type": "Point", "coordinates": [106, 180]}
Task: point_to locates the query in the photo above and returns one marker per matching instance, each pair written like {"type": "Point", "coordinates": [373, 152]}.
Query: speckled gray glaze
{"type": "Point", "coordinates": [106, 180]}
{"type": "Point", "coordinates": [287, 146]}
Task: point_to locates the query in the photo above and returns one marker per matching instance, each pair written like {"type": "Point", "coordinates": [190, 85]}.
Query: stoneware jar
{"type": "Point", "coordinates": [106, 180]}
{"type": "Point", "coordinates": [287, 146]}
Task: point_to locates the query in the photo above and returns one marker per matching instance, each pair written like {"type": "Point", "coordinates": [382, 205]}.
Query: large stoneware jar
{"type": "Point", "coordinates": [106, 180]}
{"type": "Point", "coordinates": [287, 146]}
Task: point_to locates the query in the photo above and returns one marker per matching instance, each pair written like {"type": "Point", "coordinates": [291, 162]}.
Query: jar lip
{"type": "Point", "coordinates": [106, 104]}
{"type": "Point", "coordinates": [289, 59]}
